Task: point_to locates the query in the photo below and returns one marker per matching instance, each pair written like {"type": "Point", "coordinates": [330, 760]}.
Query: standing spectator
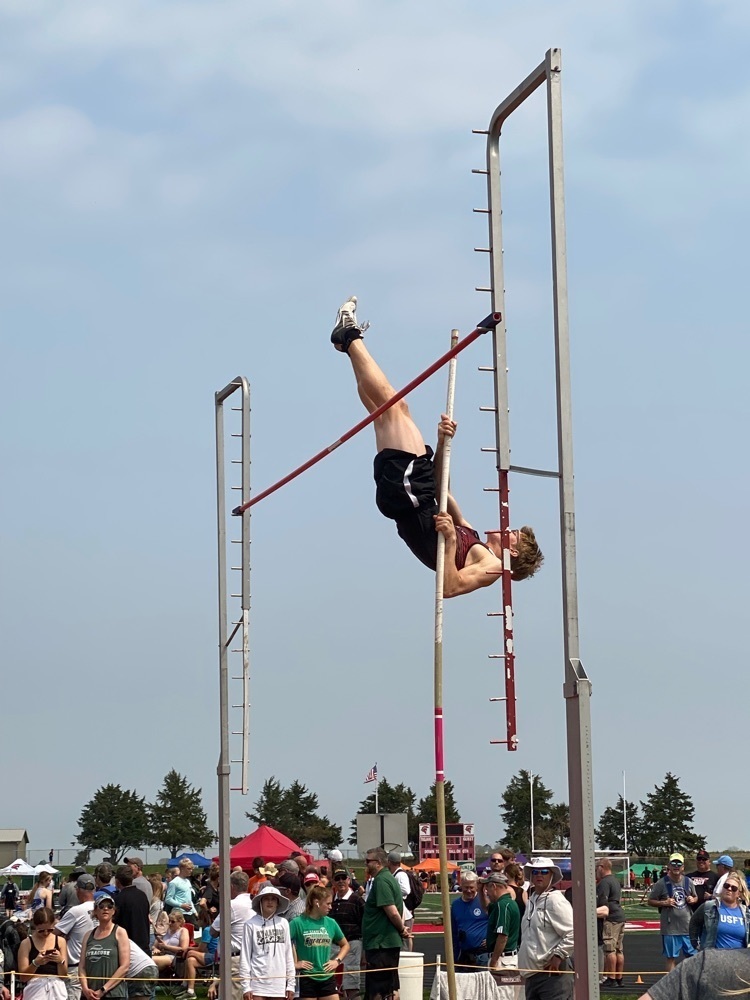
{"type": "Point", "coordinates": [180, 890]}
{"type": "Point", "coordinates": [672, 896]}
{"type": "Point", "coordinates": [723, 922]}
{"type": "Point", "coordinates": [348, 910]}
{"type": "Point", "coordinates": [503, 926]}
{"type": "Point", "coordinates": [609, 894]}
{"type": "Point", "coordinates": [394, 867]}
{"type": "Point", "coordinates": [290, 888]}
{"type": "Point", "coordinates": [139, 879]}
{"type": "Point", "coordinates": [258, 877]}
{"type": "Point", "coordinates": [68, 894]}
{"type": "Point", "coordinates": [142, 974]}
{"type": "Point", "coordinates": [43, 958]}
{"type": "Point", "coordinates": [703, 878]}
{"type": "Point", "coordinates": [240, 910]}
{"type": "Point", "coordinates": [710, 975]}
{"type": "Point", "coordinates": [514, 874]}
{"type": "Point", "coordinates": [724, 865]}
{"type": "Point", "coordinates": [51, 855]}
{"type": "Point", "coordinates": [209, 899]}
{"type": "Point", "coordinates": [469, 925]}
{"type": "Point", "coordinates": [646, 878]}
{"type": "Point", "coordinates": [382, 927]}
{"type": "Point", "coordinates": [74, 925]}
{"type": "Point", "coordinates": [157, 903]}
{"type": "Point", "coordinates": [267, 971]}
{"type": "Point", "coordinates": [313, 935]}
{"type": "Point", "coordinates": [546, 935]}
{"type": "Point", "coordinates": [41, 893]}
{"type": "Point", "coordinates": [105, 956]}
{"type": "Point", "coordinates": [103, 877]}
{"type": "Point", "coordinates": [132, 909]}
{"type": "Point", "coordinates": [10, 895]}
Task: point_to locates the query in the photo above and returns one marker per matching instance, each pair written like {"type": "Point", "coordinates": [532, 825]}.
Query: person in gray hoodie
{"type": "Point", "coordinates": [546, 935]}
{"type": "Point", "coordinates": [266, 959]}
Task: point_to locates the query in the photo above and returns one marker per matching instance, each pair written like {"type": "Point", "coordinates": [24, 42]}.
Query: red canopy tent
{"type": "Point", "coordinates": [266, 843]}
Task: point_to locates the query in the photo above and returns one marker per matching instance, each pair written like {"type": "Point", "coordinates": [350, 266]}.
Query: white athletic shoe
{"type": "Point", "coordinates": [347, 328]}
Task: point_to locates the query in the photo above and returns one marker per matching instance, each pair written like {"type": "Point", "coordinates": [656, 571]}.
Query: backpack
{"type": "Point", "coordinates": [416, 891]}
{"type": "Point", "coordinates": [10, 941]}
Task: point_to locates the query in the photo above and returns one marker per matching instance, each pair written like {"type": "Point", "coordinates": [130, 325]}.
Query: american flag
{"type": "Point", "coordinates": [372, 774]}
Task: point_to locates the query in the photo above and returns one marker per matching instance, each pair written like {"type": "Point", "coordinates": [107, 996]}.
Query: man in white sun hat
{"type": "Point", "coordinates": [546, 935]}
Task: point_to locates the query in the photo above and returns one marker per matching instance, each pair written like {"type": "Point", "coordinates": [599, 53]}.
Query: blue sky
{"type": "Point", "coordinates": [187, 192]}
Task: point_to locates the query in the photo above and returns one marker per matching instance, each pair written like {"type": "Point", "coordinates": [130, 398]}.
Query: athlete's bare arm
{"type": "Point", "coordinates": [481, 569]}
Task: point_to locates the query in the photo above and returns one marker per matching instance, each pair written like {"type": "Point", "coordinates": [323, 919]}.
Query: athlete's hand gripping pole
{"type": "Point", "coordinates": [488, 323]}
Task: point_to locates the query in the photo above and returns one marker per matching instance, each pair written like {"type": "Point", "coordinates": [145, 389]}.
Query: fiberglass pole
{"type": "Point", "coordinates": [439, 761]}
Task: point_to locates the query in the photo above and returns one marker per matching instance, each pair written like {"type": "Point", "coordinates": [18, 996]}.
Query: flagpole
{"type": "Point", "coordinates": [377, 786]}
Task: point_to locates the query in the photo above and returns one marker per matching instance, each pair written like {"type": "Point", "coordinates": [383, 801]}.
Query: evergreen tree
{"type": "Point", "coordinates": [515, 810]}
{"type": "Point", "coordinates": [667, 823]}
{"type": "Point", "coordinates": [610, 832]}
{"type": "Point", "coordinates": [177, 817]}
{"type": "Point", "coordinates": [391, 799]}
{"type": "Point", "coordinates": [114, 821]}
{"type": "Point", "coordinates": [427, 808]}
{"type": "Point", "coordinates": [293, 812]}
{"type": "Point", "coordinates": [556, 832]}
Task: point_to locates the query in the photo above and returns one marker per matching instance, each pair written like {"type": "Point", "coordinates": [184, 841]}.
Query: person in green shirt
{"type": "Point", "coordinates": [383, 927]}
{"type": "Point", "coordinates": [503, 925]}
{"type": "Point", "coordinates": [313, 932]}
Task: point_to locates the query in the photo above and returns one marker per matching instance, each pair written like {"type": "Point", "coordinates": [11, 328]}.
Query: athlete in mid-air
{"type": "Point", "coordinates": [407, 481]}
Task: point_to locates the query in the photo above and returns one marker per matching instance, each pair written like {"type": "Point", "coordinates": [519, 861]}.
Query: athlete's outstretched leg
{"type": "Point", "coordinates": [395, 428]}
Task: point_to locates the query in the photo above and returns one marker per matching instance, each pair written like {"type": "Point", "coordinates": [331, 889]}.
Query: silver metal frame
{"type": "Point", "coordinates": [226, 638]}
{"type": "Point", "coordinates": [577, 687]}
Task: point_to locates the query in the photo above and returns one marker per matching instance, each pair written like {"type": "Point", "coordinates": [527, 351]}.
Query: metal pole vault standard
{"type": "Point", "coordinates": [489, 323]}
{"type": "Point", "coordinates": [226, 638]}
{"type": "Point", "coordinates": [577, 687]}
{"type": "Point", "coordinates": [439, 757]}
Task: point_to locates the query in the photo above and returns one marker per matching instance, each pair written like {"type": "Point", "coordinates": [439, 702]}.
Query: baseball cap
{"type": "Point", "coordinates": [86, 882]}
{"type": "Point", "coordinates": [702, 856]}
{"type": "Point", "coordinates": [341, 871]}
{"type": "Point", "coordinates": [134, 861]}
{"type": "Point", "coordinates": [311, 879]}
{"type": "Point", "coordinates": [677, 857]}
{"type": "Point", "coordinates": [105, 900]}
{"type": "Point", "coordinates": [725, 860]}
{"type": "Point", "coordinates": [289, 881]}
{"type": "Point", "coordinates": [496, 878]}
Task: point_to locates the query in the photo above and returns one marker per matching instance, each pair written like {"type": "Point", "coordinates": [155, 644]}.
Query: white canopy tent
{"type": "Point", "coordinates": [18, 867]}
{"type": "Point", "coordinates": [46, 868]}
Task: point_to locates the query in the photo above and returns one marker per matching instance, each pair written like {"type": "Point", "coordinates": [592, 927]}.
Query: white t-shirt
{"type": "Point", "coordinates": [139, 960]}
{"type": "Point", "coordinates": [403, 880]}
{"type": "Point", "coordinates": [75, 925]}
{"type": "Point", "coordinates": [242, 910]}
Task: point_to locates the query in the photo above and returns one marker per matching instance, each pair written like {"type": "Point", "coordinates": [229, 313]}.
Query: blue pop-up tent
{"type": "Point", "coordinates": [198, 860]}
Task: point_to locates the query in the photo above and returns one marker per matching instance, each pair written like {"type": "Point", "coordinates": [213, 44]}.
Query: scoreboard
{"type": "Point", "coordinates": [460, 838]}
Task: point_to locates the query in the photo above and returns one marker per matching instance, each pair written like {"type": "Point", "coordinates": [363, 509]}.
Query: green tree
{"type": "Point", "coordinates": [556, 832]}
{"type": "Point", "coordinates": [515, 810]}
{"type": "Point", "coordinates": [177, 817]}
{"type": "Point", "coordinates": [667, 823]}
{"type": "Point", "coordinates": [610, 832]}
{"type": "Point", "coordinates": [114, 821]}
{"type": "Point", "coordinates": [293, 811]}
{"type": "Point", "coordinates": [427, 808]}
{"type": "Point", "coordinates": [391, 799]}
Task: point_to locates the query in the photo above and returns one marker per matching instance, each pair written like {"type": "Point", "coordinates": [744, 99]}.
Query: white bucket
{"type": "Point", "coordinates": [411, 975]}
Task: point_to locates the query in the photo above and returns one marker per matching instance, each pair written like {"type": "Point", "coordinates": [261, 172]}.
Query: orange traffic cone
{"type": "Point", "coordinates": [639, 981]}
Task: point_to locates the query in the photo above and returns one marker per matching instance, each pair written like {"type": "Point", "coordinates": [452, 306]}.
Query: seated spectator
{"type": "Point", "coordinates": [174, 944]}
{"type": "Point", "coordinates": [203, 956]}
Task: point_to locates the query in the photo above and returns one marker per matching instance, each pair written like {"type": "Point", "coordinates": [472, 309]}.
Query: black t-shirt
{"type": "Point", "coordinates": [608, 893]}
{"type": "Point", "coordinates": [10, 894]}
{"type": "Point", "coordinates": [704, 883]}
{"type": "Point", "coordinates": [131, 913]}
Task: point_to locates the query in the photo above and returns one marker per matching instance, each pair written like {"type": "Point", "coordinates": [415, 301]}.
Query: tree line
{"type": "Point", "coordinates": [116, 820]}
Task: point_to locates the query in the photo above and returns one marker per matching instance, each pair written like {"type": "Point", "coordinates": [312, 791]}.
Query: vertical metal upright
{"type": "Point", "coordinates": [240, 627]}
{"type": "Point", "coordinates": [577, 687]}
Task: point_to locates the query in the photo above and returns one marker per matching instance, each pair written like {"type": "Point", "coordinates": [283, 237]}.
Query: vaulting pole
{"type": "Point", "coordinates": [439, 760]}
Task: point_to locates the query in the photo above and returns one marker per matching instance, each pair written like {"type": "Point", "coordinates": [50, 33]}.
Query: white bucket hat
{"type": "Point", "coordinates": [542, 863]}
{"type": "Point", "coordinates": [270, 890]}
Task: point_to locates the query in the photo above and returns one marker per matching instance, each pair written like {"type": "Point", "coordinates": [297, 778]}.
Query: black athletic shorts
{"type": "Point", "coordinates": [405, 493]}
{"type": "Point", "coordinates": [309, 987]}
{"type": "Point", "coordinates": [382, 971]}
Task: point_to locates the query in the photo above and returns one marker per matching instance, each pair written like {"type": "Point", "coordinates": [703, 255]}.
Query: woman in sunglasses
{"type": "Point", "coordinates": [723, 922]}
{"type": "Point", "coordinates": [174, 944]}
{"type": "Point", "coordinates": [105, 955]}
{"type": "Point", "coordinates": [43, 958]}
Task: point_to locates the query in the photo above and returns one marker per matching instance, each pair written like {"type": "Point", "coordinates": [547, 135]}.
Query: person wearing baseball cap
{"type": "Point", "coordinates": [702, 878]}
{"type": "Point", "coordinates": [503, 922]}
{"type": "Point", "coordinates": [672, 896]}
{"type": "Point", "coordinates": [724, 865]}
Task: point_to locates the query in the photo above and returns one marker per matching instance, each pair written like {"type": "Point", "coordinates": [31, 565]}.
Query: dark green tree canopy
{"type": "Point", "coordinates": [177, 817]}
{"type": "Point", "coordinates": [667, 820]}
{"type": "Point", "coordinates": [427, 808]}
{"type": "Point", "coordinates": [515, 810]}
{"type": "Point", "coordinates": [293, 811]}
{"type": "Point", "coordinates": [610, 834]}
{"type": "Point", "coordinates": [114, 821]}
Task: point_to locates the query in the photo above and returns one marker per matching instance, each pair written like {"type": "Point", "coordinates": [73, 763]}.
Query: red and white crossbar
{"type": "Point", "coordinates": [488, 323]}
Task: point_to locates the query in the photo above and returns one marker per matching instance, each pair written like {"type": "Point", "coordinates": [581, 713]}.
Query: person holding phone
{"type": "Point", "coordinates": [43, 958]}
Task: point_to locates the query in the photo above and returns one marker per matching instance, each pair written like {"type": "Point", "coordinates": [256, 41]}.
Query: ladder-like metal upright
{"type": "Point", "coordinates": [234, 638]}
{"type": "Point", "coordinates": [577, 687]}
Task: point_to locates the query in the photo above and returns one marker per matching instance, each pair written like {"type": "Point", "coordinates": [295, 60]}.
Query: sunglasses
{"type": "Point", "coordinates": [495, 860]}
{"type": "Point", "coordinates": [105, 906]}
{"type": "Point", "coordinates": [340, 878]}
{"type": "Point", "coordinates": [540, 871]}
{"type": "Point", "coordinates": [675, 864]}
{"type": "Point", "coordinates": [732, 888]}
